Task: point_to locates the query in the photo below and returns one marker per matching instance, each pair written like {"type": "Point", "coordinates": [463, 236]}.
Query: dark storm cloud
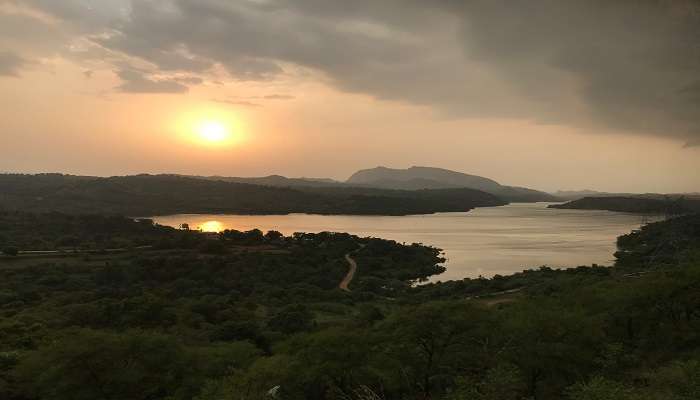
{"type": "Point", "coordinates": [634, 63]}
{"type": "Point", "coordinates": [692, 93]}
{"type": "Point", "coordinates": [625, 65]}
{"type": "Point", "coordinates": [134, 81]}
{"type": "Point", "coordinates": [11, 64]}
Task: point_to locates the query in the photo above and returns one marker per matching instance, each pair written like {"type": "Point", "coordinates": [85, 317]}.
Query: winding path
{"type": "Point", "coordinates": [351, 273]}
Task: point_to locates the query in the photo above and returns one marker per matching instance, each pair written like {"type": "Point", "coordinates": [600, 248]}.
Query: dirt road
{"type": "Point", "coordinates": [351, 273]}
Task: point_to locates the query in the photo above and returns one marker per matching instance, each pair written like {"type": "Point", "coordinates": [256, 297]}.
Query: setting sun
{"type": "Point", "coordinates": [209, 127]}
{"type": "Point", "coordinates": [213, 131]}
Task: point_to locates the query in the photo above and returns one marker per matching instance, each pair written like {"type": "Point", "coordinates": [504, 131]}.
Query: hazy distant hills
{"type": "Point", "coordinates": [411, 179]}
{"type": "Point", "coordinates": [277, 180]}
{"type": "Point", "coordinates": [438, 178]}
{"type": "Point", "coordinates": [143, 195]}
{"type": "Point", "coordinates": [579, 194]}
{"type": "Point", "coordinates": [425, 175]}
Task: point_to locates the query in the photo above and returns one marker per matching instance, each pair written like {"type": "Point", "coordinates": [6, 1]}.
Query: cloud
{"type": "Point", "coordinates": [279, 97]}
{"type": "Point", "coordinates": [135, 81]}
{"type": "Point", "coordinates": [692, 92]}
{"type": "Point", "coordinates": [268, 97]}
{"type": "Point", "coordinates": [244, 103]}
{"type": "Point", "coordinates": [601, 65]}
{"type": "Point", "coordinates": [11, 63]}
{"type": "Point", "coordinates": [623, 65]}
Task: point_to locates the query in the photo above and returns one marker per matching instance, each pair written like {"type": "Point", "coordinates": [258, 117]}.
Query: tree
{"type": "Point", "coordinates": [10, 251]}
{"type": "Point", "coordinates": [503, 382]}
{"type": "Point", "coordinates": [292, 319]}
{"type": "Point", "coordinates": [87, 364]}
{"type": "Point", "coordinates": [600, 389]}
{"type": "Point", "coordinates": [241, 330]}
{"type": "Point", "coordinates": [433, 342]}
{"type": "Point", "coordinates": [550, 344]}
{"type": "Point", "coordinates": [273, 236]}
{"type": "Point", "coordinates": [267, 375]}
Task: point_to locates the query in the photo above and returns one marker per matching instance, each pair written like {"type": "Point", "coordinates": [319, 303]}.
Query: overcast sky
{"type": "Point", "coordinates": [550, 94]}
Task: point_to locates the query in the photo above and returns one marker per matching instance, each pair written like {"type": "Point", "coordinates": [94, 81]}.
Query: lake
{"type": "Point", "coordinates": [485, 241]}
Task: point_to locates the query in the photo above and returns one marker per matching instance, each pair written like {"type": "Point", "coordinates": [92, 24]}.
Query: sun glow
{"type": "Point", "coordinates": [211, 226]}
{"type": "Point", "coordinates": [209, 127]}
{"type": "Point", "coordinates": [213, 131]}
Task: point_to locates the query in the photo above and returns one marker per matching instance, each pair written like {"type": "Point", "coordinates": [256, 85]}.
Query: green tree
{"type": "Point", "coordinates": [433, 342]}
{"type": "Point", "coordinates": [87, 365]}
{"type": "Point", "coordinates": [267, 375]}
{"type": "Point", "coordinates": [292, 319]}
{"type": "Point", "coordinates": [600, 389]}
{"type": "Point", "coordinates": [502, 382]}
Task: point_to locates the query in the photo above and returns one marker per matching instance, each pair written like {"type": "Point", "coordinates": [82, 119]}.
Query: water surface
{"type": "Point", "coordinates": [485, 241]}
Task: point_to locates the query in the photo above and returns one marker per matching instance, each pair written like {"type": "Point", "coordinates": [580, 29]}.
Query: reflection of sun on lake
{"type": "Point", "coordinates": [211, 226]}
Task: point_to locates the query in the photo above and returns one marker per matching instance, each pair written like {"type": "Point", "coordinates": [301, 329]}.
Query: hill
{"type": "Point", "coordinates": [639, 204]}
{"type": "Point", "coordinates": [579, 194]}
{"type": "Point", "coordinates": [426, 174]}
{"type": "Point", "coordinates": [276, 180]}
{"type": "Point", "coordinates": [438, 178]}
{"type": "Point", "coordinates": [142, 195]}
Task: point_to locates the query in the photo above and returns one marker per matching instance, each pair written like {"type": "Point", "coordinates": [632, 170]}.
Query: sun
{"type": "Point", "coordinates": [213, 131]}
{"type": "Point", "coordinates": [209, 127]}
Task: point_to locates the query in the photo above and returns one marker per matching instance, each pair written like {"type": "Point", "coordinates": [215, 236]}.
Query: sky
{"type": "Point", "coordinates": [548, 94]}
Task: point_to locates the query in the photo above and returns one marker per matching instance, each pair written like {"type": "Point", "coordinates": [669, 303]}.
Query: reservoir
{"type": "Point", "coordinates": [483, 242]}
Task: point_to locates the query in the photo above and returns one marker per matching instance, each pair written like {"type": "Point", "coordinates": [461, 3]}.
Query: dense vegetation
{"type": "Point", "coordinates": [248, 315]}
{"type": "Point", "coordinates": [660, 244]}
{"type": "Point", "coordinates": [56, 231]}
{"type": "Point", "coordinates": [144, 195]}
{"type": "Point", "coordinates": [645, 205]}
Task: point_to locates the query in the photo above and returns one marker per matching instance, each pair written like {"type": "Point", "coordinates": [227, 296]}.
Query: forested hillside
{"type": "Point", "coordinates": [644, 205]}
{"type": "Point", "coordinates": [146, 195]}
{"type": "Point", "coordinates": [217, 316]}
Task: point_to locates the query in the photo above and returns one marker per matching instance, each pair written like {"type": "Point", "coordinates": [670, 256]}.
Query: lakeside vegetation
{"type": "Point", "coordinates": [143, 195]}
{"type": "Point", "coordinates": [253, 315]}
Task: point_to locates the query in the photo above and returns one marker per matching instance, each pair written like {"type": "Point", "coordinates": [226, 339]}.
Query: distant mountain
{"type": "Point", "coordinates": [438, 178]}
{"type": "Point", "coordinates": [428, 175]}
{"type": "Point", "coordinates": [144, 195]}
{"type": "Point", "coordinates": [411, 184]}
